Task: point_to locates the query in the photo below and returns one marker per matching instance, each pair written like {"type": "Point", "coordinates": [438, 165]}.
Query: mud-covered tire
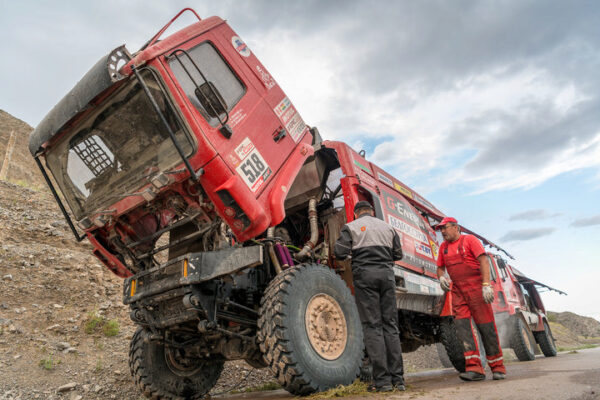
{"type": "Point", "coordinates": [546, 341]}
{"type": "Point", "coordinates": [455, 357]}
{"type": "Point", "coordinates": [157, 380]}
{"type": "Point", "coordinates": [453, 346]}
{"type": "Point", "coordinates": [521, 340]}
{"type": "Point", "coordinates": [443, 356]}
{"type": "Point", "coordinates": [283, 337]}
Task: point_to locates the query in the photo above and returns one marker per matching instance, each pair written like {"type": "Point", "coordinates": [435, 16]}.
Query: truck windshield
{"type": "Point", "coordinates": [116, 149]}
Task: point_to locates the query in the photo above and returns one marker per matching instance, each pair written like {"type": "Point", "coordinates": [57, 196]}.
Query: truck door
{"type": "Point", "coordinates": [255, 148]}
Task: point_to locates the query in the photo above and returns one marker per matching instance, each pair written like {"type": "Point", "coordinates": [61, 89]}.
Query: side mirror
{"type": "Point", "coordinates": [211, 100]}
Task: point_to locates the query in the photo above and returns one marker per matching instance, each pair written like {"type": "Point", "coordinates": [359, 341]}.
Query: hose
{"type": "Point", "coordinates": [314, 229]}
{"type": "Point", "coordinates": [274, 260]}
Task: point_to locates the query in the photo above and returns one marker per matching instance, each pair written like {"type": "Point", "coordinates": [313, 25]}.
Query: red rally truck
{"type": "Point", "coordinates": [196, 180]}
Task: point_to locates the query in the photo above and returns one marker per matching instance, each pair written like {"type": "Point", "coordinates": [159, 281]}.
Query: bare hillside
{"type": "Point", "coordinates": [22, 168]}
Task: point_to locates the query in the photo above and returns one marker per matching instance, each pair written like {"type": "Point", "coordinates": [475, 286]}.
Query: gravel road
{"type": "Point", "coordinates": [569, 376]}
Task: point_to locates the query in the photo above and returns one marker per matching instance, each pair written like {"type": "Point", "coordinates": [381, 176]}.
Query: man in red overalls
{"type": "Point", "coordinates": [464, 258]}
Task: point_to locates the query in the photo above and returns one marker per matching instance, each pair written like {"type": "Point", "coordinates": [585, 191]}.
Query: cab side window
{"type": "Point", "coordinates": [492, 269]}
{"type": "Point", "coordinates": [218, 75]}
{"type": "Point", "coordinates": [502, 267]}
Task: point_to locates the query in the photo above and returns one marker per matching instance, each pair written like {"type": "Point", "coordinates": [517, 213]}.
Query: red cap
{"type": "Point", "coordinates": [445, 221]}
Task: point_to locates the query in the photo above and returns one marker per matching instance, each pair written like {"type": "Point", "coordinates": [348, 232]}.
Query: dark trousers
{"type": "Point", "coordinates": [375, 292]}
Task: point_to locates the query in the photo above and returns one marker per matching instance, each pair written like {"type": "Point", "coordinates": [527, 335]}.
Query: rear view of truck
{"type": "Point", "coordinates": [196, 180]}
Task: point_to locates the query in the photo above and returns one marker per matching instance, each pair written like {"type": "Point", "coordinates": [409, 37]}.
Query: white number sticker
{"type": "Point", "coordinates": [254, 170]}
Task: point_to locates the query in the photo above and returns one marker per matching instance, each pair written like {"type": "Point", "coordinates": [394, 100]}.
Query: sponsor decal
{"type": "Point", "coordinates": [295, 127]}
{"type": "Point", "coordinates": [400, 208]}
{"type": "Point", "coordinates": [291, 119]}
{"type": "Point", "coordinates": [423, 249]}
{"type": "Point", "coordinates": [236, 118]}
{"type": "Point", "coordinates": [385, 179]}
{"type": "Point", "coordinates": [240, 46]}
{"type": "Point", "coordinates": [244, 148]}
{"type": "Point", "coordinates": [434, 248]}
{"type": "Point", "coordinates": [423, 201]}
{"type": "Point", "coordinates": [265, 77]}
{"type": "Point", "coordinates": [361, 166]}
{"type": "Point", "coordinates": [254, 170]}
{"type": "Point", "coordinates": [411, 259]}
{"type": "Point", "coordinates": [366, 179]}
{"type": "Point", "coordinates": [282, 106]}
{"type": "Point", "coordinates": [409, 230]}
{"type": "Point", "coordinates": [403, 190]}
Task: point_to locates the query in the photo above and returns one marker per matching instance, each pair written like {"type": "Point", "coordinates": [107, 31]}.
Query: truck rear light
{"type": "Point", "coordinates": [233, 210]}
{"type": "Point", "coordinates": [132, 290]}
{"type": "Point", "coordinates": [185, 268]}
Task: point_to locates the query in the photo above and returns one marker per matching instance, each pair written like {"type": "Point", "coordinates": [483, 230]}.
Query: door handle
{"type": "Point", "coordinates": [279, 134]}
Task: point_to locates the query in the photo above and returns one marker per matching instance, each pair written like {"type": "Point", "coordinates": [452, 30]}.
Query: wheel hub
{"type": "Point", "coordinates": [326, 326]}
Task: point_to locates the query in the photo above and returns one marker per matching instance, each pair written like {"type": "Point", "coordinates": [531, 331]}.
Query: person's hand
{"type": "Point", "coordinates": [444, 283]}
{"type": "Point", "coordinates": [488, 294]}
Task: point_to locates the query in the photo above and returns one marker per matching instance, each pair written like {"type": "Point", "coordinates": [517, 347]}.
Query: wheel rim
{"type": "Point", "coordinates": [179, 364]}
{"type": "Point", "coordinates": [549, 336]}
{"type": "Point", "coordinates": [526, 339]}
{"type": "Point", "coordinates": [326, 326]}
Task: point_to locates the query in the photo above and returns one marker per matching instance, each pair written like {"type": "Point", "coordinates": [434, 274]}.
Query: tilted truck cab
{"type": "Point", "coordinates": [196, 179]}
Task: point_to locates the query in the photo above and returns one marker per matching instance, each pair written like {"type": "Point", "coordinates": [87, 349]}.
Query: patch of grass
{"type": "Point", "coordinates": [574, 349]}
{"type": "Point", "coordinates": [96, 323]}
{"type": "Point", "coordinates": [261, 388]}
{"type": "Point", "coordinates": [111, 328]}
{"type": "Point", "coordinates": [357, 388]}
{"type": "Point", "coordinates": [93, 322]}
{"type": "Point", "coordinates": [98, 368]}
{"type": "Point", "coordinates": [48, 363]}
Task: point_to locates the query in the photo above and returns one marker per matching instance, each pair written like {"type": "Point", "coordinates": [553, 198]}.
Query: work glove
{"type": "Point", "coordinates": [488, 294]}
{"type": "Point", "coordinates": [444, 283]}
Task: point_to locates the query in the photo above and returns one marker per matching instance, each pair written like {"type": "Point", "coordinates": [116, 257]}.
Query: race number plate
{"type": "Point", "coordinates": [254, 170]}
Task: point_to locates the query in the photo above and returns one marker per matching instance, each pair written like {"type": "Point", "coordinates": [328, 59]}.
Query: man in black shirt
{"type": "Point", "coordinates": [373, 247]}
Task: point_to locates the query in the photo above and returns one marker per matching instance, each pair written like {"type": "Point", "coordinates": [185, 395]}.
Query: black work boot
{"type": "Point", "coordinates": [471, 376]}
{"type": "Point", "coordinates": [499, 376]}
{"type": "Point", "coordinates": [399, 385]}
{"type": "Point", "coordinates": [384, 388]}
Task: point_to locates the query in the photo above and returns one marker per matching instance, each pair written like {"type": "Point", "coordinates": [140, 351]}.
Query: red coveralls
{"type": "Point", "coordinates": [460, 260]}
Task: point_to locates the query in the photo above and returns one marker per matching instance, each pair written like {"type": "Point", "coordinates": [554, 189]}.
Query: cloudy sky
{"type": "Point", "coordinates": [489, 109]}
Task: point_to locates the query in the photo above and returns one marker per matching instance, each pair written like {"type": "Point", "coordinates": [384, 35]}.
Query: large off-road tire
{"type": "Point", "coordinates": [160, 378]}
{"type": "Point", "coordinates": [453, 346]}
{"type": "Point", "coordinates": [309, 330]}
{"type": "Point", "coordinates": [521, 340]}
{"type": "Point", "coordinates": [546, 341]}
{"type": "Point", "coordinates": [455, 357]}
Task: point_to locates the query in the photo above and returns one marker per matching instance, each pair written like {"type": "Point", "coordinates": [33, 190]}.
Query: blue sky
{"type": "Point", "coordinates": [489, 109]}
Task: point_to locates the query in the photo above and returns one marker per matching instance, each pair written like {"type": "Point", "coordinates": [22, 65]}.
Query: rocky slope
{"type": "Point", "coordinates": [582, 326]}
{"type": "Point", "coordinates": [22, 168]}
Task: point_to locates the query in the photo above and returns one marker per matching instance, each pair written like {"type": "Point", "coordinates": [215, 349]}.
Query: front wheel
{"type": "Point", "coordinates": [163, 374]}
{"type": "Point", "coordinates": [546, 341]}
{"type": "Point", "coordinates": [309, 330]}
{"type": "Point", "coordinates": [521, 340]}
